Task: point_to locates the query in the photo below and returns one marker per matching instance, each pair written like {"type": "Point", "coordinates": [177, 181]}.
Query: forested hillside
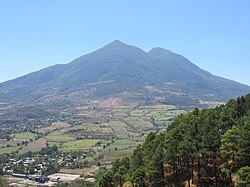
{"type": "Point", "coordinates": [118, 68]}
{"type": "Point", "coordinates": [209, 147]}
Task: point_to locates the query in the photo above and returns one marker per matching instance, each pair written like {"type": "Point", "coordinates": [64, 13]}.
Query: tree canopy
{"type": "Point", "coordinates": [208, 147]}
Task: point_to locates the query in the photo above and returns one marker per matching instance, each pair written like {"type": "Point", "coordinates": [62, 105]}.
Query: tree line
{"type": "Point", "coordinates": [209, 147]}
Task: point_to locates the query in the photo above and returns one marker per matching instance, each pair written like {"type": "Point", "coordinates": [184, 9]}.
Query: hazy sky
{"type": "Point", "coordinates": [213, 34]}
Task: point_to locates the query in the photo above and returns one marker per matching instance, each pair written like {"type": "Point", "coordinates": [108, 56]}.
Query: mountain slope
{"type": "Point", "coordinates": [118, 68]}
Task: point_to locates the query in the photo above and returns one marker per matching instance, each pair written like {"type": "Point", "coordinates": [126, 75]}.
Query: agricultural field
{"type": "Point", "coordinates": [22, 146]}
{"type": "Point", "coordinates": [59, 138]}
{"type": "Point", "coordinates": [88, 127]}
{"type": "Point", "coordinates": [122, 145]}
{"type": "Point", "coordinates": [119, 112]}
{"type": "Point", "coordinates": [19, 141]}
{"type": "Point", "coordinates": [120, 129]}
{"type": "Point", "coordinates": [11, 142]}
{"type": "Point", "coordinates": [34, 146]}
{"type": "Point", "coordinates": [91, 131]}
{"type": "Point", "coordinates": [26, 135]}
{"type": "Point", "coordinates": [89, 159]}
{"type": "Point", "coordinates": [211, 104]}
{"type": "Point", "coordinates": [102, 133]}
{"type": "Point", "coordinates": [78, 145]}
{"type": "Point", "coordinates": [118, 149]}
{"type": "Point", "coordinates": [53, 127]}
{"type": "Point", "coordinates": [8, 150]}
{"type": "Point", "coordinates": [87, 171]}
{"type": "Point", "coordinates": [139, 124]}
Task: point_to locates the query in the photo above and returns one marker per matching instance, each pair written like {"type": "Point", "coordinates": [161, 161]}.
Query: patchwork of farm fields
{"type": "Point", "coordinates": [106, 133]}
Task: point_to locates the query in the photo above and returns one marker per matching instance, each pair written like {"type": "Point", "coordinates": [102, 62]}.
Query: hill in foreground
{"type": "Point", "coordinates": [208, 147]}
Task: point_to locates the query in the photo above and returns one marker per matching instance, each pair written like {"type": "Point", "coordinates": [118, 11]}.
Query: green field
{"type": "Point", "coordinates": [119, 129]}
{"type": "Point", "coordinates": [160, 113]}
{"type": "Point", "coordinates": [122, 107]}
{"type": "Point", "coordinates": [116, 125]}
{"type": "Point", "coordinates": [25, 135]}
{"type": "Point", "coordinates": [139, 113]}
{"type": "Point", "coordinates": [122, 145]}
{"type": "Point", "coordinates": [86, 127]}
{"type": "Point", "coordinates": [140, 124]}
{"type": "Point", "coordinates": [88, 159]}
{"type": "Point", "coordinates": [78, 127]}
{"type": "Point", "coordinates": [54, 126]}
{"type": "Point", "coordinates": [8, 150]}
{"type": "Point", "coordinates": [127, 126]}
{"type": "Point", "coordinates": [158, 107]}
{"type": "Point", "coordinates": [119, 149]}
{"type": "Point", "coordinates": [59, 138]}
{"type": "Point", "coordinates": [78, 145]}
{"type": "Point", "coordinates": [3, 103]}
{"type": "Point", "coordinates": [119, 115]}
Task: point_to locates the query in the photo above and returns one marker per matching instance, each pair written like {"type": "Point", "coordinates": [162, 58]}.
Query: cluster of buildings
{"type": "Point", "coordinates": [18, 171]}
{"type": "Point", "coordinates": [36, 177]}
{"type": "Point", "coordinates": [41, 180]}
{"type": "Point", "coordinates": [25, 163]}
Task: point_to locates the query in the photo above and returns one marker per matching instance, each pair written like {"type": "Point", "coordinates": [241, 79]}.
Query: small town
{"type": "Point", "coordinates": [43, 169]}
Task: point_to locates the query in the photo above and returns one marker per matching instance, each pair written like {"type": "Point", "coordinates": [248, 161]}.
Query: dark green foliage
{"type": "Point", "coordinates": [50, 150]}
{"type": "Point", "coordinates": [157, 165]}
{"type": "Point", "coordinates": [204, 147]}
{"type": "Point", "coordinates": [107, 179]}
{"type": "Point", "coordinates": [139, 177]}
{"type": "Point", "coordinates": [243, 177]}
{"type": "Point", "coordinates": [120, 168]}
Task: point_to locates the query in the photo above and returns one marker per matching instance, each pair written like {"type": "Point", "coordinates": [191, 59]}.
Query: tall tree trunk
{"type": "Point", "coordinates": [120, 181]}
{"type": "Point", "coordinates": [199, 169]}
{"type": "Point", "coordinates": [215, 171]}
{"type": "Point", "coordinates": [230, 178]}
{"type": "Point", "coordinates": [192, 171]}
{"type": "Point", "coordinates": [205, 166]}
{"type": "Point", "coordinates": [188, 172]}
{"type": "Point", "coordinates": [178, 171]}
{"type": "Point", "coordinates": [175, 173]}
{"type": "Point", "coordinates": [163, 176]}
{"type": "Point", "coordinates": [133, 185]}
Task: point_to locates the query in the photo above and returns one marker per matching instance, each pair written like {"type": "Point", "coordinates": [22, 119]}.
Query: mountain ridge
{"type": "Point", "coordinates": [123, 68]}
